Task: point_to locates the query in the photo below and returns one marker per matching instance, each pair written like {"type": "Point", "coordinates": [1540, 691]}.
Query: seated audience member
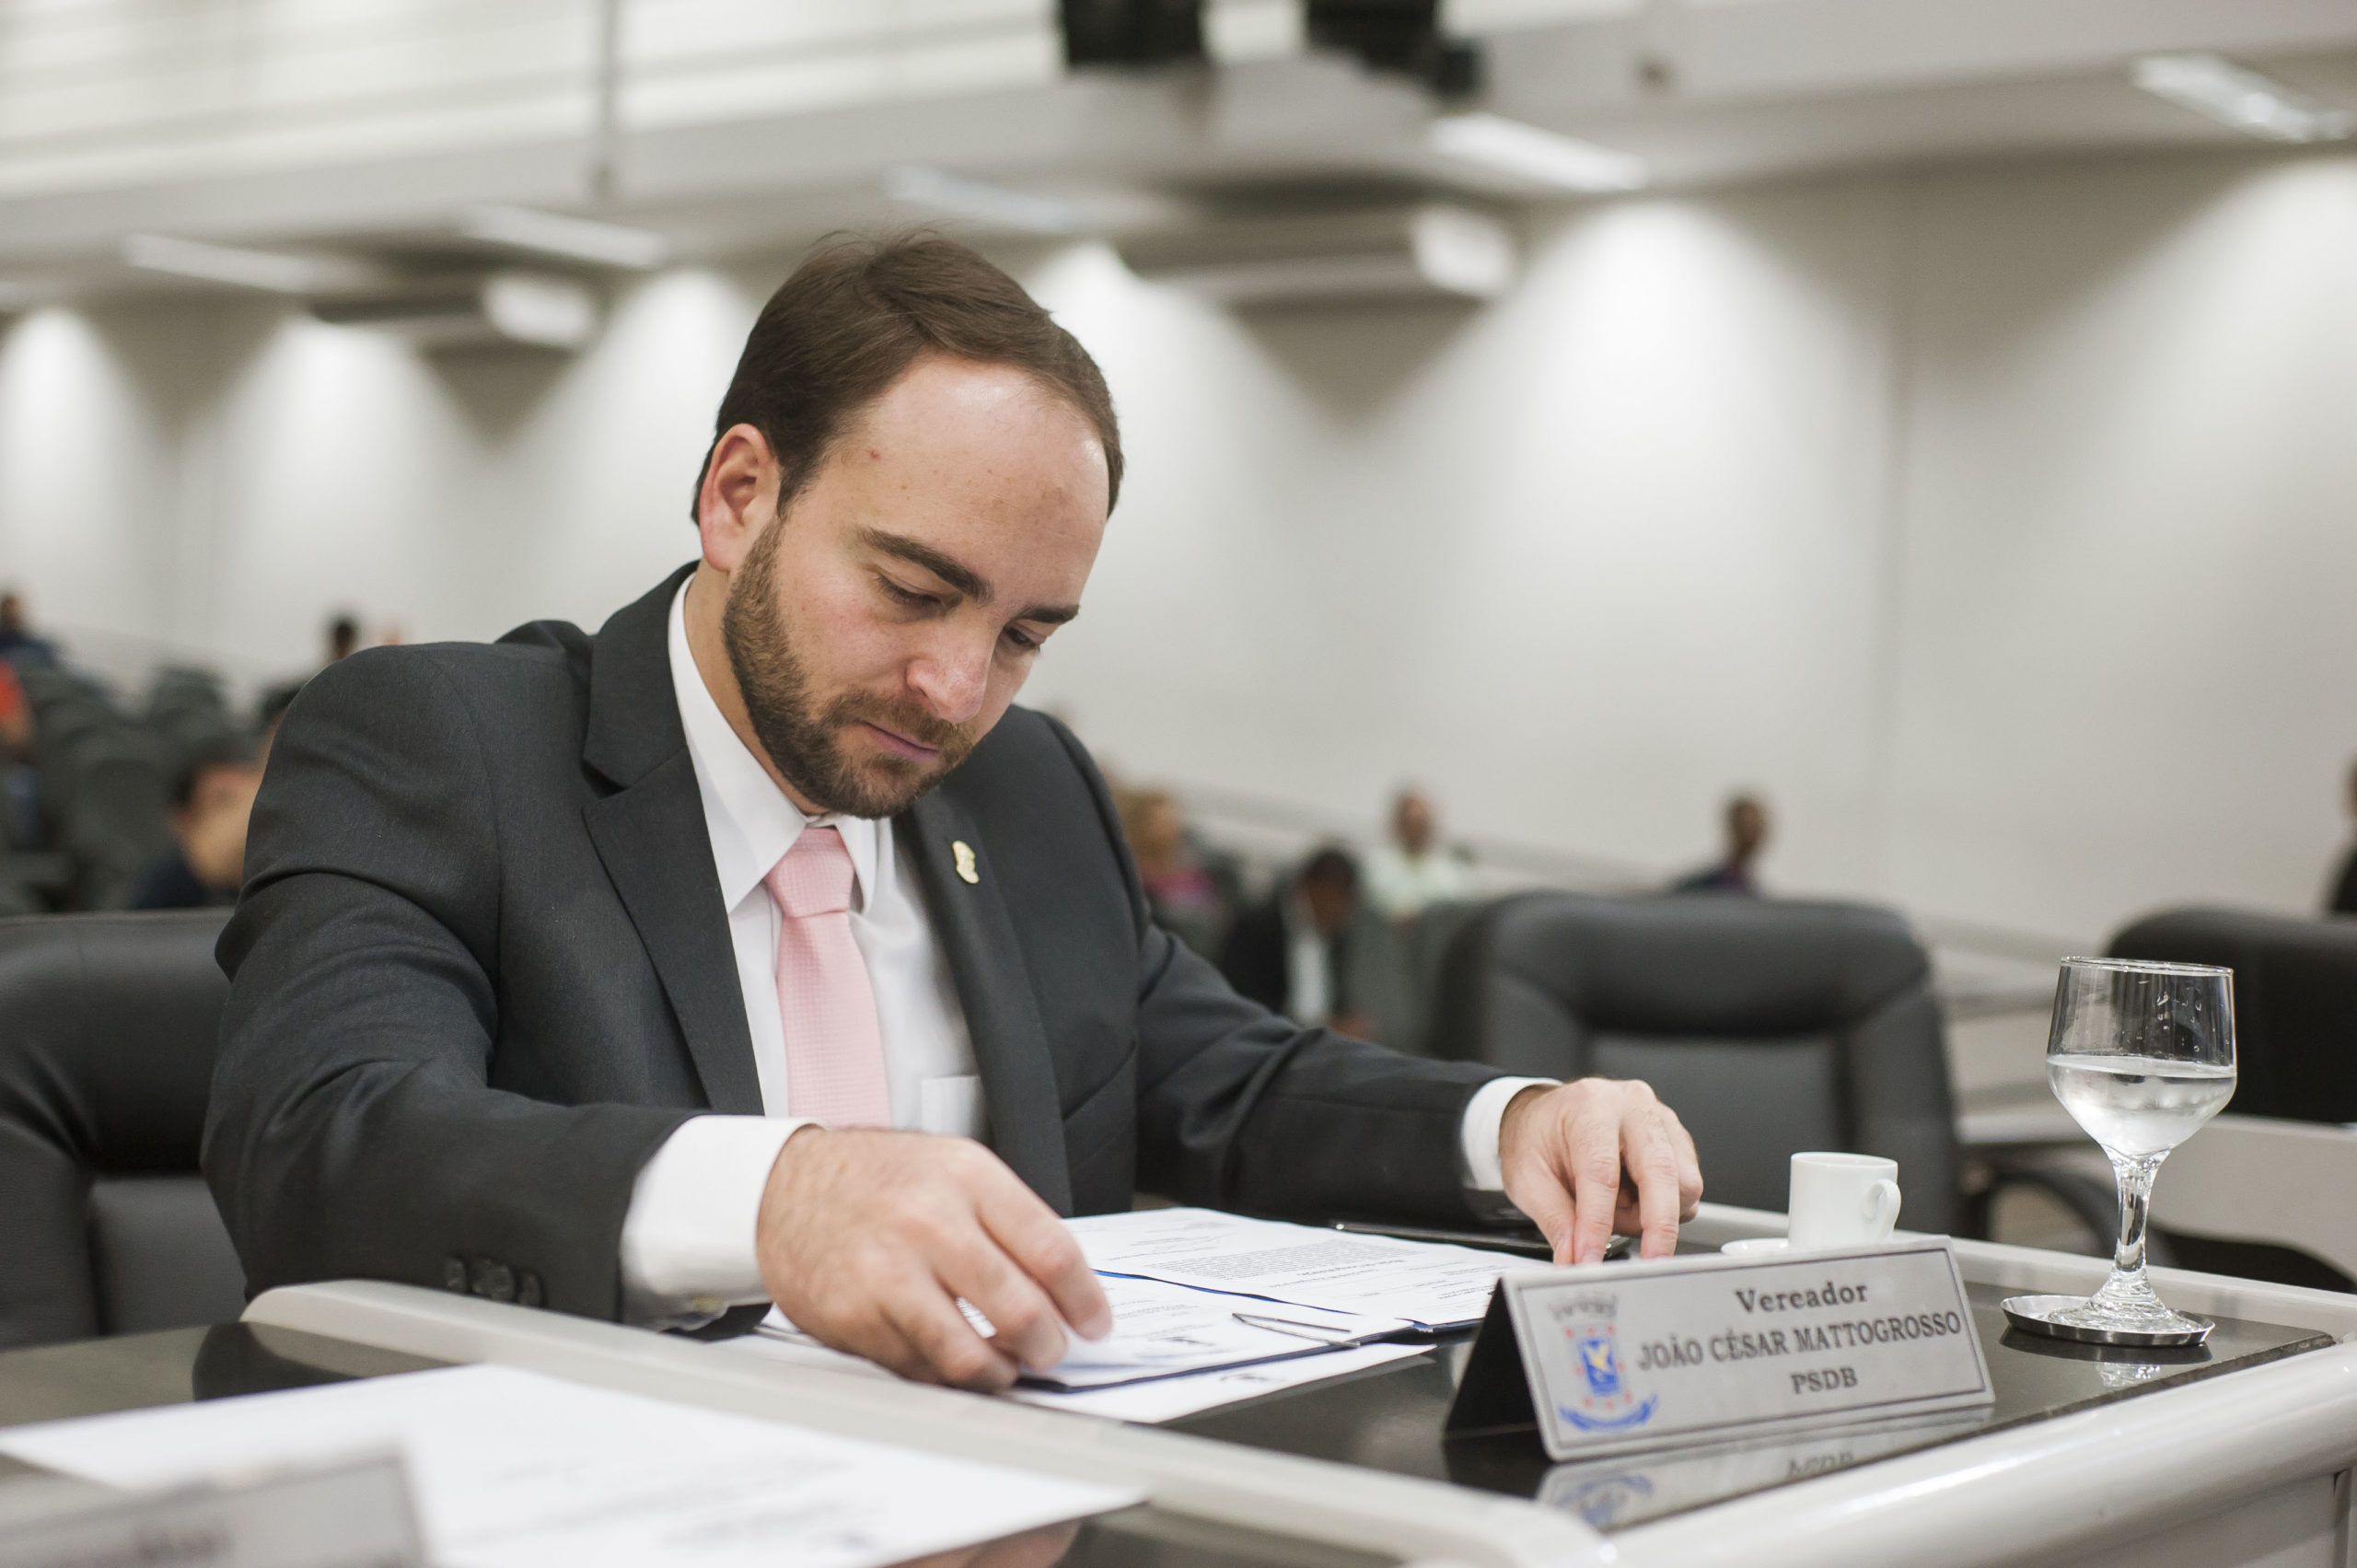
{"type": "Point", "coordinates": [756, 948]}
{"type": "Point", "coordinates": [1413, 870]}
{"type": "Point", "coordinates": [1181, 888]}
{"type": "Point", "coordinates": [1291, 954]}
{"type": "Point", "coordinates": [344, 638]}
{"type": "Point", "coordinates": [212, 799]}
{"type": "Point", "coordinates": [1746, 828]}
{"type": "Point", "coordinates": [16, 713]}
{"type": "Point", "coordinates": [2343, 897]}
{"type": "Point", "coordinates": [17, 643]}
{"type": "Point", "coordinates": [19, 786]}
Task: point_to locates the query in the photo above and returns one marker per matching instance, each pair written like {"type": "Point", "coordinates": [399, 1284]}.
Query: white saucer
{"type": "Point", "coordinates": [1753, 1244]}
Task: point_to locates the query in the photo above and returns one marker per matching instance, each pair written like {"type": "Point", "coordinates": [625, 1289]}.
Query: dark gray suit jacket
{"type": "Point", "coordinates": [481, 972]}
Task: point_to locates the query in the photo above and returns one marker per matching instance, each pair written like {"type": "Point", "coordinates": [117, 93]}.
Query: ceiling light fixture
{"type": "Point", "coordinates": [2252, 104]}
{"type": "Point", "coordinates": [987, 204]}
{"type": "Point", "coordinates": [1509, 146]}
{"type": "Point", "coordinates": [555, 234]}
{"type": "Point", "coordinates": [226, 263]}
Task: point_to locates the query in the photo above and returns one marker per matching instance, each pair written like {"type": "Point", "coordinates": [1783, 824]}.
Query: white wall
{"type": "Point", "coordinates": [2128, 659]}
{"type": "Point", "coordinates": [1999, 524]}
{"type": "Point", "coordinates": [217, 481]}
{"type": "Point", "coordinates": [1578, 562]}
{"type": "Point", "coordinates": [1995, 522]}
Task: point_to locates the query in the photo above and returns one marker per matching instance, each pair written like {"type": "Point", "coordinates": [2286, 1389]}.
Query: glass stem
{"type": "Point", "coordinates": [2135, 1178]}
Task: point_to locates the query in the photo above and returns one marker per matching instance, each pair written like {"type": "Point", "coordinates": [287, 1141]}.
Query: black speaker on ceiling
{"type": "Point", "coordinates": [1396, 35]}
{"type": "Point", "coordinates": [1131, 33]}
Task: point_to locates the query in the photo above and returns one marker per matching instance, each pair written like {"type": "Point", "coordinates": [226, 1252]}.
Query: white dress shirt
{"type": "Point", "coordinates": [687, 1244]}
{"type": "Point", "coordinates": [1400, 884]}
{"type": "Point", "coordinates": [1309, 964]}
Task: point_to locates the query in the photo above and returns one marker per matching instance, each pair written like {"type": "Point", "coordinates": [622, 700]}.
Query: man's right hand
{"type": "Point", "coordinates": [866, 1240]}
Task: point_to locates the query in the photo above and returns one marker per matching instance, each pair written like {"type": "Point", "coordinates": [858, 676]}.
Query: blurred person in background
{"type": "Point", "coordinates": [16, 713]}
{"type": "Point", "coordinates": [18, 644]}
{"type": "Point", "coordinates": [344, 638]}
{"type": "Point", "coordinates": [1413, 870]}
{"type": "Point", "coordinates": [1291, 954]}
{"type": "Point", "coordinates": [1747, 829]}
{"type": "Point", "coordinates": [1188, 896]}
{"type": "Point", "coordinates": [19, 786]}
{"type": "Point", "coordinates": [2343, 897]}
{"type": "Point", "coordinates": [212, 799]}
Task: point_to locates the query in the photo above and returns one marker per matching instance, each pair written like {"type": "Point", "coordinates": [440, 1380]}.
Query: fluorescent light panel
{"type": "Point", "coordinates": [1509, 146]}
{"type": "Point", "coordinates": [224, 263]}
{"type": "Point", "coordinates": [988, 204]}
{"type": "Point", "coordinates": [551, 312]}
{"type": "Point", "coordinates": [2252, 104]}
{"type": "Point", "coordinates": [554, 234]}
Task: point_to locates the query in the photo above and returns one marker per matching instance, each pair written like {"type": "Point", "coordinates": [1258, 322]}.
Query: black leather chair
{"type": "Point", "coordinates": [2295, 1001]}
{"type": "Point", "coordinates": [108, 1027]}
{"type": "Point", "coordinates": [2295, 1046]}
{"type": "Point", "coordinates": [1769, 1026]}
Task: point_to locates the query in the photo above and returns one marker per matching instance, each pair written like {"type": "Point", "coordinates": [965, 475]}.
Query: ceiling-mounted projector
{"type": "Point", "coordinates": [1131, 33]}
{"type": "Point", "coordinates": [1395, 35]}
{"type": "Point", "coordinates": [531, 309]}
{"type": "Point", "coordinates": [1430, 250]}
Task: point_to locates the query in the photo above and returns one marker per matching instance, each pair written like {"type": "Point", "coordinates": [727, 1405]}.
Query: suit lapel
{"type": "Point", "coordinates": [650, 834]}
{"type": "Point", "coordinates": [652, 838]}
{"type": "Point", "coordinates": [994, 987]}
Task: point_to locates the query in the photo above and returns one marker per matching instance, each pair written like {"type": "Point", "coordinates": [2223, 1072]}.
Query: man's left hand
{"type": "Point", "coordinates": [1587, 1159]}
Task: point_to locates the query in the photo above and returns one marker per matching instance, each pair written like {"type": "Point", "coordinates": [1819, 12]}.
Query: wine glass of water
{"type": "Point", "coordinates": [2141, 1055]}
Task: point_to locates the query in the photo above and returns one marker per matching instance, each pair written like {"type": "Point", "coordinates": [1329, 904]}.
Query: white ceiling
{"type": "Point", "coordinates": [731, 145]}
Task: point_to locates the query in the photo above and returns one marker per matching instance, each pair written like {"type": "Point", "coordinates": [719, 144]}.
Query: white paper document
{"type": "Point", "coordinates": [1173, 1351]}
{"type": "Point", "coordinates": [1428, 1284]}
{"type": "Point", "coordinates": [1156, 1399]}
{"type": "Point", "coordinates": [1168, 1399]}
{"type": "Point", "coordinates": [1162, 1331]}
{"type": "Point", "coordinates": [513, 1469]}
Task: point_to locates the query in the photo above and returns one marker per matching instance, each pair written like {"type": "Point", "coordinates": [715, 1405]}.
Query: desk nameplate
{"type": "Point", "coordinates": [1618, 1357]}
{"type": "Point", "coordinates": [349, 1514]}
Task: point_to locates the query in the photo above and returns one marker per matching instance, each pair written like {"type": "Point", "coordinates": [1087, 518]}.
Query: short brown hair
{"type": "Point", "coordinates": [860, 311]}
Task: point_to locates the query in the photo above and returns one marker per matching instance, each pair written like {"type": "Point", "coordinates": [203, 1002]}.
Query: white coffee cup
{"type": "Point", "coordinates": [1842, 1199]}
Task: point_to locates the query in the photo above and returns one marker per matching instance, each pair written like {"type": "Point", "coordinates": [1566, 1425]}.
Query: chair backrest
{"type": "Point", "coordinates": [177, 689]}
{"type": "Point", "coordinates": [108, 1027]}
{"type": "Point", "coordinates": [2295, 1001]}
{"type": "Point", "coordinates": [1414, 954]}
{"type": "Point", "coordinates": [46, 682]}
{"type": "Point", "coordinates": [2257, 1179]}
{"type": "Point", "coordinates": [1768, 1027]}
{"type": "Point", "coordinates": [116, 822]}
{"type": "Point", "coordinates": [59, 730]}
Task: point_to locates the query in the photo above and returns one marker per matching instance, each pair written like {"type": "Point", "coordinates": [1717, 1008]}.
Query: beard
{"type": "Point", "coordinates": [805, 737]}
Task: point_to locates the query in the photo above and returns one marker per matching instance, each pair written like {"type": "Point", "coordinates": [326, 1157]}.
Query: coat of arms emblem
{"type": "Point", "coordinates": [1601, 1398]}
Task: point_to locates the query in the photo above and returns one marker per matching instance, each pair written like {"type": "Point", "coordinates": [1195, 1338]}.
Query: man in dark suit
{"type": "Point", "coordinates": [1747, 828]}
{"type": "Point", "coordinates": [1291, 952]}
{"type": "Point", "coordinates": [213, 796]}
{"type": "Point", "coordinates": [758, 950]}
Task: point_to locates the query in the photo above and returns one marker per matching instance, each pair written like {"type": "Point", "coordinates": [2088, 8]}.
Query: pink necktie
{"type": "Point", "coordinates": [834, 1053]}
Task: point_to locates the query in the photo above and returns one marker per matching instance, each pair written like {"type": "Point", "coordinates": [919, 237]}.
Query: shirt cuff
{"type": "Point", "coordinates": [1485, 1113]}
{"type": "Point", "coordinates": [688, 1252]}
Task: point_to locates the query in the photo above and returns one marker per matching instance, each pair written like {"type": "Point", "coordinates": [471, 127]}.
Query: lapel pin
{"type": "Point", "coordinates": [964, 853]}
